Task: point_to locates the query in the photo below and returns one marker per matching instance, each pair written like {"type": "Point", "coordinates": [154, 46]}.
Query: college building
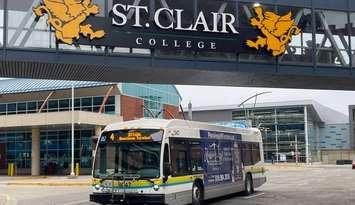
{"type": "Point", "coordinates": [36, 119]}
{"type": "Point", "coordinates": [303, 129]}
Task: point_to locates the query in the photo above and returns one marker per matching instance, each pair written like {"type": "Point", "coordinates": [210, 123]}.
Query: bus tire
{"type": "Point", "coordinates": [248, 185]}
{"type": "Point", "coordinates": [197, 193]}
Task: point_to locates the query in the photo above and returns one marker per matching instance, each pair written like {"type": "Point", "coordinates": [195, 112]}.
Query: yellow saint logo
{"type": "Point", "coordinates": [277, 31]}
{"type": "Point", "coordinates": [67, 17]}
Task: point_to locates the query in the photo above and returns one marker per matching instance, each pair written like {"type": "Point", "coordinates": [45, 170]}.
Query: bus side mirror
{"type": "Point", "coordinates": [166, 171]}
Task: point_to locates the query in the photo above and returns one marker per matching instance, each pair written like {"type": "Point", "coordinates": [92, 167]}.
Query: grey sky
{"type": "Point", "coordinates": [206, 95]}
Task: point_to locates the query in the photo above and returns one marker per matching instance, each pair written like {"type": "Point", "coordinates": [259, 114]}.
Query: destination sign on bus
{"type": "Point", "coordinates": [134, 136]}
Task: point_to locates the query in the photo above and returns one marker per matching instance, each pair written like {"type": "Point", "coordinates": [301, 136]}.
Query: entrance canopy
{"type": "Point", "coordinates": [289, 44]}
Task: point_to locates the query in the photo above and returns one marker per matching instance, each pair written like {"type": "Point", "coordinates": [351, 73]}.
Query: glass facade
{"type": "Point", "coordinates": [89, 104]}
{"type": "Point", "coordinates": [153, 95]}
{"type": "Point", "coordinates": [335, 137]}
{"type": "Point", "coordinates": [55, 149]}
{"type": "Point", "coordinates": [282, 128]}
{"type": "Point", "coordinates": [55, 141]}
{"type": "Point", "coordinates": [18, 148]}
{"type": "Point", "coordinates": [327, 37]}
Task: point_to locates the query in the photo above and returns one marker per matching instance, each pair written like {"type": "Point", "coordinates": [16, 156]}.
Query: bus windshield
{"type": "Point", "coordinates": [135, 152]}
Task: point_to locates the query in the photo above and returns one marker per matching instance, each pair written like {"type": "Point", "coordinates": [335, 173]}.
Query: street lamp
{"type": "Point", "coordinates": [251, 97]}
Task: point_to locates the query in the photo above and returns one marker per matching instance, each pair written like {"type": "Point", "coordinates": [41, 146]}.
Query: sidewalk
{"type": "Point", "coordinates": [45, 181]}
{"type": "Point", "coordinates": [305, 166]}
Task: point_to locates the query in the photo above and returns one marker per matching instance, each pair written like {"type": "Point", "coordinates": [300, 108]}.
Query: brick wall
{"type": "Point", "coordinates": [173, 110]}
{"type": "Point", "coordinates": [131, 108]}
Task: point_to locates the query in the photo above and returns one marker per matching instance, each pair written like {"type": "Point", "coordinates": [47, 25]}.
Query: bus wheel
{"type": "Point", "coordinates": [197, 194]}
{"type": "Point", "coordinates": [248, 186]}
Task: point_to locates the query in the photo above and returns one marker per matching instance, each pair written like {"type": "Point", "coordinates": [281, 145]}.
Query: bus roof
{"type": "Point", "coordinates": [145, 123]}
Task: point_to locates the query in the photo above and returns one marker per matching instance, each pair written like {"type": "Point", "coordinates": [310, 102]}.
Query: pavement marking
{"type": "Point", "coordinates": [76, 202]}
{"type": "Point", "coordinates": [253, 196]}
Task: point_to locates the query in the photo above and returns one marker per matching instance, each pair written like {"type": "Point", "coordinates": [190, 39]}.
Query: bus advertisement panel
{"type": "Point", "coordinates": [221, 157]}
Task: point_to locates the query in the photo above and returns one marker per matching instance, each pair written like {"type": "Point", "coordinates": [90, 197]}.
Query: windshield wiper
{"type": "Point", "coordinates": [146, 179]}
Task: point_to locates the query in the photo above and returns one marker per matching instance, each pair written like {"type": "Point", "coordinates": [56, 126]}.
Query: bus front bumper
{"type": "Point", "coordinates": [106, 198]}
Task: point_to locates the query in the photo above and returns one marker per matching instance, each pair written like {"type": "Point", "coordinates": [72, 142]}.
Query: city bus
{"type": "Point", "coordinates": [157, 161]}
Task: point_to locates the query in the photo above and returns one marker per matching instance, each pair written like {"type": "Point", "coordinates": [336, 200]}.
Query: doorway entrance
{"type": "Point", "coordinates": [2, 155]}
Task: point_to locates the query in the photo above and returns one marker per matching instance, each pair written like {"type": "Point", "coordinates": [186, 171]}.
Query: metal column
{"type": "Point", "coordinates": [306, 133]}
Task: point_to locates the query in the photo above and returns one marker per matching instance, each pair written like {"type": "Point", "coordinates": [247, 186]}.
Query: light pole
{"type": "Point", "coordinates": [72, 173]}
{"type": "Point", "coordinates": [251, 97]}
{"type": "Point", "coordinates": [296, 148]}
{"type": "Point", "coordinates": [277, 144]}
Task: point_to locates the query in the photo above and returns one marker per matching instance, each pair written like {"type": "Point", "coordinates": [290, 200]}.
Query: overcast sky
{"type": "Point", "coordinates": [206, 95]}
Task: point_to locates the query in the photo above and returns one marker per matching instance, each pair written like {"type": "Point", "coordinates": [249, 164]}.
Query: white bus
{"type": "Point", "coordinates": [155, 161]}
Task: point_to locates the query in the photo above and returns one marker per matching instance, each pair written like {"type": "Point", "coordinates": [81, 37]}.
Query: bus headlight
{"type": "Point", "coordinates": [156, 187]}
{"type": "Point", "coordinates": [97, 187]}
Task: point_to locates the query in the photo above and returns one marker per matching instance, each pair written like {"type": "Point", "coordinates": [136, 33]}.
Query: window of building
{"type": "Point", "coordinates": [86, 102]}
{"type": "Point", "coordinates": [26, 30]}
{"type": "Point", "coordinates": [53, 105]}
{"type": "Point", "coordinates": [97, 101]}
{"type": "Point", "coordinates": [89, 104]}
{"type": "Point", "coordinates": [21, 108]}
{"type": "Point", "coordinates": [154, 96]}
{"type": "Point", "coordinates": [31, 107]}
{"type": "Point", "coordinates": [64, 105]}
{"type": "Point", "coordinates": [332, 38]}
{"type": "Point", "coordinates": [11, 108]}
{"type": "Point", "coordinates": [2, 109]}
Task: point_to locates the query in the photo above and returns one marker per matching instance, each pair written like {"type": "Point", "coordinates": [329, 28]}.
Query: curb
{"type": "Point", "coordinates": [48, 184]}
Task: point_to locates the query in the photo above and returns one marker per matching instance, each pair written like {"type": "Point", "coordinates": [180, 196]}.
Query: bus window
{"type": "Point", "coordinates": [196, 157]}
{"type": "Point", "coordinates": [166, 154]}
{"type": "Point", "coordinates": [179, 158]}
{"type": "Point", "coordinates": [251, 153]}
{"type": "Point", "coordinates": [256, 153]}
{"type": "Point", "coordinates": [247, 154]}
{"type": "Point", "coordinates": [181, 163]}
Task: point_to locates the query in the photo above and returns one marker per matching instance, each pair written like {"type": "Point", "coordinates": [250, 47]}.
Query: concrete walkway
{"type": "Point", "coordinates": [305, 166]}
{"type": "Point", "coordinates": [46, 181]}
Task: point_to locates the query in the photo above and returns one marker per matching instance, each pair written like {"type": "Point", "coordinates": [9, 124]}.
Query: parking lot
{"type": "Point", "coordinates": [291, 186]}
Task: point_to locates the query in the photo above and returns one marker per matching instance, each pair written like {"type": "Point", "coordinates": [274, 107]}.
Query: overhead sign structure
{"type": "Point", "coordinates": [67, 17]}
{"type": "Point", "coordinates": [277, 31]}
{"type": "Point", "coordinates": [138, 26]}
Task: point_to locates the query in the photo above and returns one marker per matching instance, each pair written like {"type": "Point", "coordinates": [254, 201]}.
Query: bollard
{"type": "Point", "coordinates": [77, 169]}
{"type": "Point", "coordinates": [11, 169]}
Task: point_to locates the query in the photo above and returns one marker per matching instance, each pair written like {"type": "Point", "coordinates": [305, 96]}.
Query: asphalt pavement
{"type": "Point", "coordinates": [289, 186]}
